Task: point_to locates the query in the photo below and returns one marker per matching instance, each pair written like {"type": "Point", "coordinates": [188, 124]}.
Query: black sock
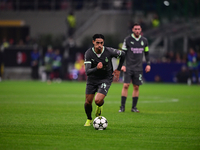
{"type": "Point", "coordinates": [88, 111]}
{"type": "Point", "coordinates": [123, 101]}
{"type": "Point", "coordinates": [135, 100]}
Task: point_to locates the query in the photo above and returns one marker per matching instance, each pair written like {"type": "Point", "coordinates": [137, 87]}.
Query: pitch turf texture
{"type": "Point", "coordinates": [37, 116]}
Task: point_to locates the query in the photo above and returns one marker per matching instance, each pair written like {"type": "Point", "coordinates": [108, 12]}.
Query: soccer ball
{"type": "Point", "coordinates": [100, 123]}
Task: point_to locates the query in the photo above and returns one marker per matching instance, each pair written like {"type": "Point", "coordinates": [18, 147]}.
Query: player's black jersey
{"type": "Point", "coordinates": [135, 49]}
{"type": "Point", "coordinates": [105, 57]}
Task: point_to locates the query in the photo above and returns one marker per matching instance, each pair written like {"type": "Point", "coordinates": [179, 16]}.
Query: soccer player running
{"type": "Point", "coordinates": [100, 74]}
{"type": "Point", "coordinates": [134, 47]}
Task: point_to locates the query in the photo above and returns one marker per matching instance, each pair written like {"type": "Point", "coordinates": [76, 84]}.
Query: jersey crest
{"type": "Point", "coordinates": [106, 59]}
{"type": "Point", "coordinates": [132, 42]}
{"type": "Point", "coordinates": [142, 43]}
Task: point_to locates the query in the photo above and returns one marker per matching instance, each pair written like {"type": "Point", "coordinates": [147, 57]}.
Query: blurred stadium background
{"type": "Point", "coordinates": [171, 27]}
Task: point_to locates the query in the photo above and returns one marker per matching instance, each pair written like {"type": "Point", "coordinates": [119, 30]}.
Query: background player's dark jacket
{"type": "Point", "coordinates": [106, 58]}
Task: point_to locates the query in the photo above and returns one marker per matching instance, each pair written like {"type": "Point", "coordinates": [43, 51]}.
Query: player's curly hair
{"type": "Point", "coordinates": [98, 36]}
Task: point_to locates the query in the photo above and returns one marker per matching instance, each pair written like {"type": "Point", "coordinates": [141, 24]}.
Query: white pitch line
{"type": "Point", "coordinates": [79, 102]}
{"type": "Point", "coordinates": [72, 95]}
{"type": "Point", "coordinates": [161, 101]}
{"type": "Point", "coordinates": [150, 101]}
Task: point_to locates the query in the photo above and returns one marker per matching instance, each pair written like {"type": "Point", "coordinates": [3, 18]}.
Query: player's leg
{"type": "Point", "coordinates": [135, 96]}
{"type": "Point", "coordinates": [124, 94]}
{"type": "Point", "coordinates": [137, 81]}
{"type": "Point", "coordinates": [99, 101]}
{"type": "Point", "coordinates": [103, 88]}
{"type": "Point", "coordinates": [91, 89]}
{"type": "Point", "coordinates": [88, 108]}
{"type": "Point", "coordinates": [125, 89]}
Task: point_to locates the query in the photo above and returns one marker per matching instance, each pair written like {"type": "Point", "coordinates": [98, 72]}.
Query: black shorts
{"type": "Point", "coordinates": [98, 85]}
{"type": "Point", "coordinates": [135, 76]}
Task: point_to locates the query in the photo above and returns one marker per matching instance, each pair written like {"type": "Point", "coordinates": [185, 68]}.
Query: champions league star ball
{"type": "Point", "coordinates": [100, 123]}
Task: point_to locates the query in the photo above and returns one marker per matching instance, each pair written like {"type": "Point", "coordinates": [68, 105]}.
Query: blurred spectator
{"type": "Point", "coordinates": [170, 57]}
{"type": "Point", "coordinates": [28, 40]}
{"type": "Point", "coordinates": [11, 42]}
{"type": "Point", "coordinates": [183, 75]}
{"type": "Point", "coordinates": [20, 43]}
{"type": "Point", "coordinates": [35, 57]}
{"type": "Point", "coordinates": [178, 58]}
{"type": "Point", "coordinates": [79, 65]}
{"type": "Point", "coordinates": [198, 57]}
{"type": "Point", "coordinates": [117, 4]}
{"type": "Point", "coordinates": [192, 63]}
{"type": "Point", "coordinates": [1, 64]}
{"type": "Point", "coordinates": [71, 23]}
{"type": "Point", "coordinates": [128, 4]}
{"type": "Point", "coordinates": [5, 44]}
{"type": "Point", "coordinates": [79, 61]}
{"type": "Point", "coordinates": [48, 60]}
{"type": "Point", "coordinates": [184, 58]}
{"type": "Point", "coordinates": [6, 5]}
{"type": "Point", "coordinates": [73, 75]}
{"type": "Point", "coordinates": [69, 42]}
{"type": "Point", "coordinates": [64, 4]}
{"type": "Point", "coordinates": [44, 5]}
{"type": "Point", "coordinates": [81, 74]}
{"type": "Point", "coordinates": [77, 4]}
{"type": "Point", "coordinates": [155, 21]}
{"type": "Point", "coordinates": [56, 66]}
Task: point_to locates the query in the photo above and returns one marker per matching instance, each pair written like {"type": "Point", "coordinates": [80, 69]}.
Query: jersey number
{"type": "Point", "coordinates": [140, 77]}
{"type": "Point", "coordinates": [103, 85]}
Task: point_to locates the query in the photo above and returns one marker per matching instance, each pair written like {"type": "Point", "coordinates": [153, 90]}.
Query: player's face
{"type": "Point", "coordinates": [137, 30]}
{"type": "Point", "coordinates": [98, 44]}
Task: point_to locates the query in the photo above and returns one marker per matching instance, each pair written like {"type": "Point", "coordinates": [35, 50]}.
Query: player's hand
{"type": "Point", "coordinates": [116, 74]}
{"type": "Point", "coordinates": [99, 65]}
{"type": "Point", "coordinates": [148, 68]}
{"type": "Point", "coordinates": [123, 69]}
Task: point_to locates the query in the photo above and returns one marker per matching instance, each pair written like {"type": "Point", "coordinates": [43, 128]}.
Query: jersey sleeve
{"type": "Point", "coordinates": [87, 58]}
{"type": "Point", "coordinates": [88, 64]}
{"type": "Point", "coordinates": [115, 52]}
{"type": "Point", "coordinates": [124, 46]}
{"type": "Point", "coordinates": [118, 54]}
{"type": "Point", "coordinates": [146, 48]}
{"type": "Point", "coordinates": [146, 52]}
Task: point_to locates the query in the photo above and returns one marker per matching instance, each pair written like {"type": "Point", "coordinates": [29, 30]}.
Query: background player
{"type": "Point", "coordinates": [99, 71]}
{"type": "Point", "coordinates": [134, 46]}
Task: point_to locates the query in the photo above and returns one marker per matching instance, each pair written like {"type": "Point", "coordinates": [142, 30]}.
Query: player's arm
{"type": "Point", "coordinates": [122, 58]}
{"type": "Point", "coordinates": [146, 52]}
{"type": "Point", "coordinates": [89, 70]}
{"type": "Point", "coordinates": [119, 55]}
{"type": "Point", "coordinates": [88, 64]}
{"type": "Point", "coordinates": [124, 48]}
{"type": "Point", "coordinates": [116, 73]}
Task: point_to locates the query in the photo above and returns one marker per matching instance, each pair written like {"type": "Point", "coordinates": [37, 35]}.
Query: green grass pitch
{"type": "Point", "coordinates": [37, 116]}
